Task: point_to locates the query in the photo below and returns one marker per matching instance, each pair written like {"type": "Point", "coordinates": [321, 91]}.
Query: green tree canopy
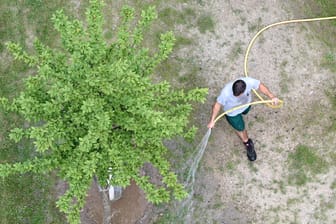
{"type": "Point", "coordinates": [92, 105]}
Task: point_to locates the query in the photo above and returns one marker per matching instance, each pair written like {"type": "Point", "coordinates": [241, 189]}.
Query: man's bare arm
{"type": "Point", "coordinates": [268, 93]}
{"type": "Point", "coordinates": [215, 110]}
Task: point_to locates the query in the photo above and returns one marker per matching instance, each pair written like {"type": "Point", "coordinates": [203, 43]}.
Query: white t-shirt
{"type": "Point", "coordinates": [228, 100]}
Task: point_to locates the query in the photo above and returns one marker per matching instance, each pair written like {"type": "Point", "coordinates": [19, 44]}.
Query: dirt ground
{"type": "Point", "coordinates": [131, 208]}
{"type": "Point", "coordinates": [287, 59]}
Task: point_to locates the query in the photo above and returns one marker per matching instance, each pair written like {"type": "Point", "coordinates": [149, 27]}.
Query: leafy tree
{"type": "Point", "coordinates": [92, 106]}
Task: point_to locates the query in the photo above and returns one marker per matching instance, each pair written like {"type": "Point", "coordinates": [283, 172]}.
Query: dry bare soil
{"type": "Point", "coordinates": [229, 189]}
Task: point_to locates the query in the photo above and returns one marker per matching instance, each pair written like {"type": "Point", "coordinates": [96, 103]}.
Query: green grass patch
{"type": "Point", "coordinates": [171, 16]}
{"type": "Point", "coordinates": [169, 69]}
{"type": "Point", "coordinates": [182, 41]}
{"type": "Point", "coordinates": [329, 61]}
{"type": "Point", "coordinates": [190, 78]}
{"type": "Point", "coordinates": [11, 23]}
{"type": "Point", "coordinates": [304, 164]}
{"type": "Point", "coordinates": [30, 19]}
{"type": "Point", "coordinates": [205, 23]}
{"type": "Point", "coordinates": [325, 30]}
{"type": "Point", "coordinates": [332, 157]}
{"type": "Point", "coordinates": [38, 14]}
{"type": "Point", "coordinates": [327, 7]}
{"type": "Point", "coordinates": [27, 198]}
{"type": "Point", "coordinates": [333, 185]}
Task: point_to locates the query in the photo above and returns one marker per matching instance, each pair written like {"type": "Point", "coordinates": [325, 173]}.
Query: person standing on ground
{"type": "Point", "coordinates": [234, 94]}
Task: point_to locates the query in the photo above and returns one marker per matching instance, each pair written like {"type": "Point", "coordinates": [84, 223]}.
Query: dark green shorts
{"type": "Point", "coordinates": [237, 122]}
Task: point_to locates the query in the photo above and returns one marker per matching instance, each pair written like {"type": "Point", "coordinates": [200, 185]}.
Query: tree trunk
{"type": "Point", "coordinates": [107, 217]}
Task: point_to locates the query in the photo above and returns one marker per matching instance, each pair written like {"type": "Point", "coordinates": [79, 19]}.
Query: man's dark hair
{"type": "Point", "coordinates": [238, 87]}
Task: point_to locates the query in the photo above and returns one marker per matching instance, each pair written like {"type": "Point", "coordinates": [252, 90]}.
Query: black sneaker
{"type": "Point", "coordinates": [251, 153]}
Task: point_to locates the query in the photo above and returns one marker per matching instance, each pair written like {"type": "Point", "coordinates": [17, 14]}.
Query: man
{"type": "Point", "coordinates": [235, 94]}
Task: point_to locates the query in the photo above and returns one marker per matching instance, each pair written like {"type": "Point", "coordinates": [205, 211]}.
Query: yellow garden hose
{"type": "Point", "coordinates": [241, 106]}
{"type": "Point", "coordinates": [261, 100]}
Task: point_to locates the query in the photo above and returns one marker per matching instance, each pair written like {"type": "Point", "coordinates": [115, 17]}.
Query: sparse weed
{"type": "Point", "coordinates": [332, 99]}
{"type": "Point", "coordinates": [329, 61]}
{"type": "Point", "coordinates": [259, 119]}
{"type": "Point", "coordinates": [230, 166]}
{"type": "Point", "coordinates": [292, 201]}
{"type": "Point", "coordinates": [236, 51]}
{"type": "Point", "coordinates": [282, 187]}
{"type": "Point", "coordinates": [252, 28]}
{"type": "Point", "coordinates": [332, 157]}
{"type": "Point", "coordinates": [304, 163]}
{"type": "Point", "coordinates": [284, 82]}
{"type": "Point", "coordinates": [285, 79]}
{"type": "Point", "coordinates": [252, 167]}
{"type": "Point", "coordinates": [170, 16]}
{"type": "Point", "coordinates": [217, 204]}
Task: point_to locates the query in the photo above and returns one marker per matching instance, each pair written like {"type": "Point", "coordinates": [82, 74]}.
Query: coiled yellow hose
{"type": "Point", "coordinates": [261, 100]}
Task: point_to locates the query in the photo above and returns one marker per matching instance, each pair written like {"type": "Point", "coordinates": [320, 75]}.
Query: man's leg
{"type": "Point", "coordinates": [242, 135]}
{"type": "Point", "coordinates": [237, 122]}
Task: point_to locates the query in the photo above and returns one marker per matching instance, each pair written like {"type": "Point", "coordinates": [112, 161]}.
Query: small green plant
{"type": "Point", "coordinates": [304, 163]}
{"type": "Point", "coordinates": [205, 23]}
